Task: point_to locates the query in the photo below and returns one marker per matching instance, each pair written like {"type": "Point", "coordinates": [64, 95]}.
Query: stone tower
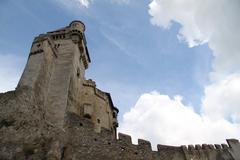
{"type": "Point", "coordinates": [55, 71]}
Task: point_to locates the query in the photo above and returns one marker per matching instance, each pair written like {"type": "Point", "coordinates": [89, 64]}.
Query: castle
{"type": "Point", "coordinates": [56, 114]}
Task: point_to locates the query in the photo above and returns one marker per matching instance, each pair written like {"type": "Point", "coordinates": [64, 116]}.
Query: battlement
{"type": "Point", "coordinates": [75, 33]}
{"type": "Point", "coordinates": [123, 144]}
{"type": "Point", "coordinates": [206, 147]}
{"type": "Point", "coordinates": [89, 83]}
{"type": "Point", "coordinates": [98, 92]}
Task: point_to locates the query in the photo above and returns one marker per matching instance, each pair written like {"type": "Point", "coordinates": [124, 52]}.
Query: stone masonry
{"type": "Point", "coordinates": [56, 114]}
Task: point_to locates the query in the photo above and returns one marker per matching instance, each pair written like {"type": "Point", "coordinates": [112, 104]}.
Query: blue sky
{"type": "Point", "coordinates": [128, 53]}
{"type": "Point", "coordinates": [135, 48]}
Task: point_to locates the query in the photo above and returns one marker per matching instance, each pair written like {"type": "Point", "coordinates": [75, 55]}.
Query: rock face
{"type": "Point", "coordinates": [56, 114]}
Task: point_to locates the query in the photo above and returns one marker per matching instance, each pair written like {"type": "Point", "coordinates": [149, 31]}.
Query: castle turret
{"type": "Point", "coordinates": [55, 72]}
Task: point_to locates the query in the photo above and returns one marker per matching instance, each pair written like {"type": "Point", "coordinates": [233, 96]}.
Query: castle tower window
{"type": "Point", "coordinates": [88, 111]}
{"type": "Point", "coordinates": [114, 115]}
{"type": "Point", "coordinates": [87, 116]}
{"type": "Point", "coordinates": [56, 46]}
{"type": "Point", "coordinates": [78, 72]}
{"type": "Point", "coordinates": [98, 120]}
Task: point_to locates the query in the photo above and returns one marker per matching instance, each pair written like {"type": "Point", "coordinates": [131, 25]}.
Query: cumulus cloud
{"type": "Point", "coordinates": [215, 22]}
{"type": "Point", "coordinates": [166, 120]}
{"type": "Point", "coordinates": [11, 67]}
{"type": "Point", "coordinates": [221, 99]}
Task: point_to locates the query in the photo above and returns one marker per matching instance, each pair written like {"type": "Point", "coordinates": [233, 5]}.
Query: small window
{"type": "Point", "coordinates": [122, 148]}
{"type": "Point", "coordinates": [78, 72]}
{"type": "Point", "coordinates": [88, 111]}
{"type": "Point", "coordinates": [56, 46]}
{"type": "Point", "coordinates": [114, 115]}
{"type": "Point", "coordinates": [98, 120]}
{"type": "Point", "coordinates": [87, 116]}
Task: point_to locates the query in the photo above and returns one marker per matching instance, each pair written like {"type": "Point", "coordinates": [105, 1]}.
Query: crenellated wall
{"type": "Point", "coordinates": [103, 146]}
{"type": "Point", "coordinates": [25, 134]}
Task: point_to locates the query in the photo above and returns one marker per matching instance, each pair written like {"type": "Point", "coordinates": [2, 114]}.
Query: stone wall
{"type": "Point", "coordinates": [98, 101]}
{"type": "Point", "coordinates": [26, 134]}
{"type": "Point", "coordinates": [102, 146]}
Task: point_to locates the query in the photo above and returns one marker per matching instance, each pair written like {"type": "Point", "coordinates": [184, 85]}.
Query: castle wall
{"type": "Point", "coordinates": [235, 148]}
{"type": "Point", "coordinates": [52, 72]}
{"type": "Point", "coordinates": [39, 68]}
{"type": "Point", "coordinates": [102, 113]}
{"type": "Point", "coordinates": [76, 81]}
{"type": "Point", "coordinates": [59, 83]}
{"type": "Point", "coordinates": [24, 138]}
{"type": "Point", "coordinates": [89, 145]}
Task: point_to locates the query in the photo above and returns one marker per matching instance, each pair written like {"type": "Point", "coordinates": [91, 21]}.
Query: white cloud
{"type": "Point", "coordinates": [70, 4]}
{"type": "Point", "coordinates": [213, 21]}
{"type": "Point", "coordinates": [84, 2]}
{"type": "Point", "coordinates": [11, 67]}
{"type": "Point", "coordinates": [168, 121]}
{"type": "Point", "coordinates": [121, 1]}
{"type": "Point", "coordinates": [221, 99]}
